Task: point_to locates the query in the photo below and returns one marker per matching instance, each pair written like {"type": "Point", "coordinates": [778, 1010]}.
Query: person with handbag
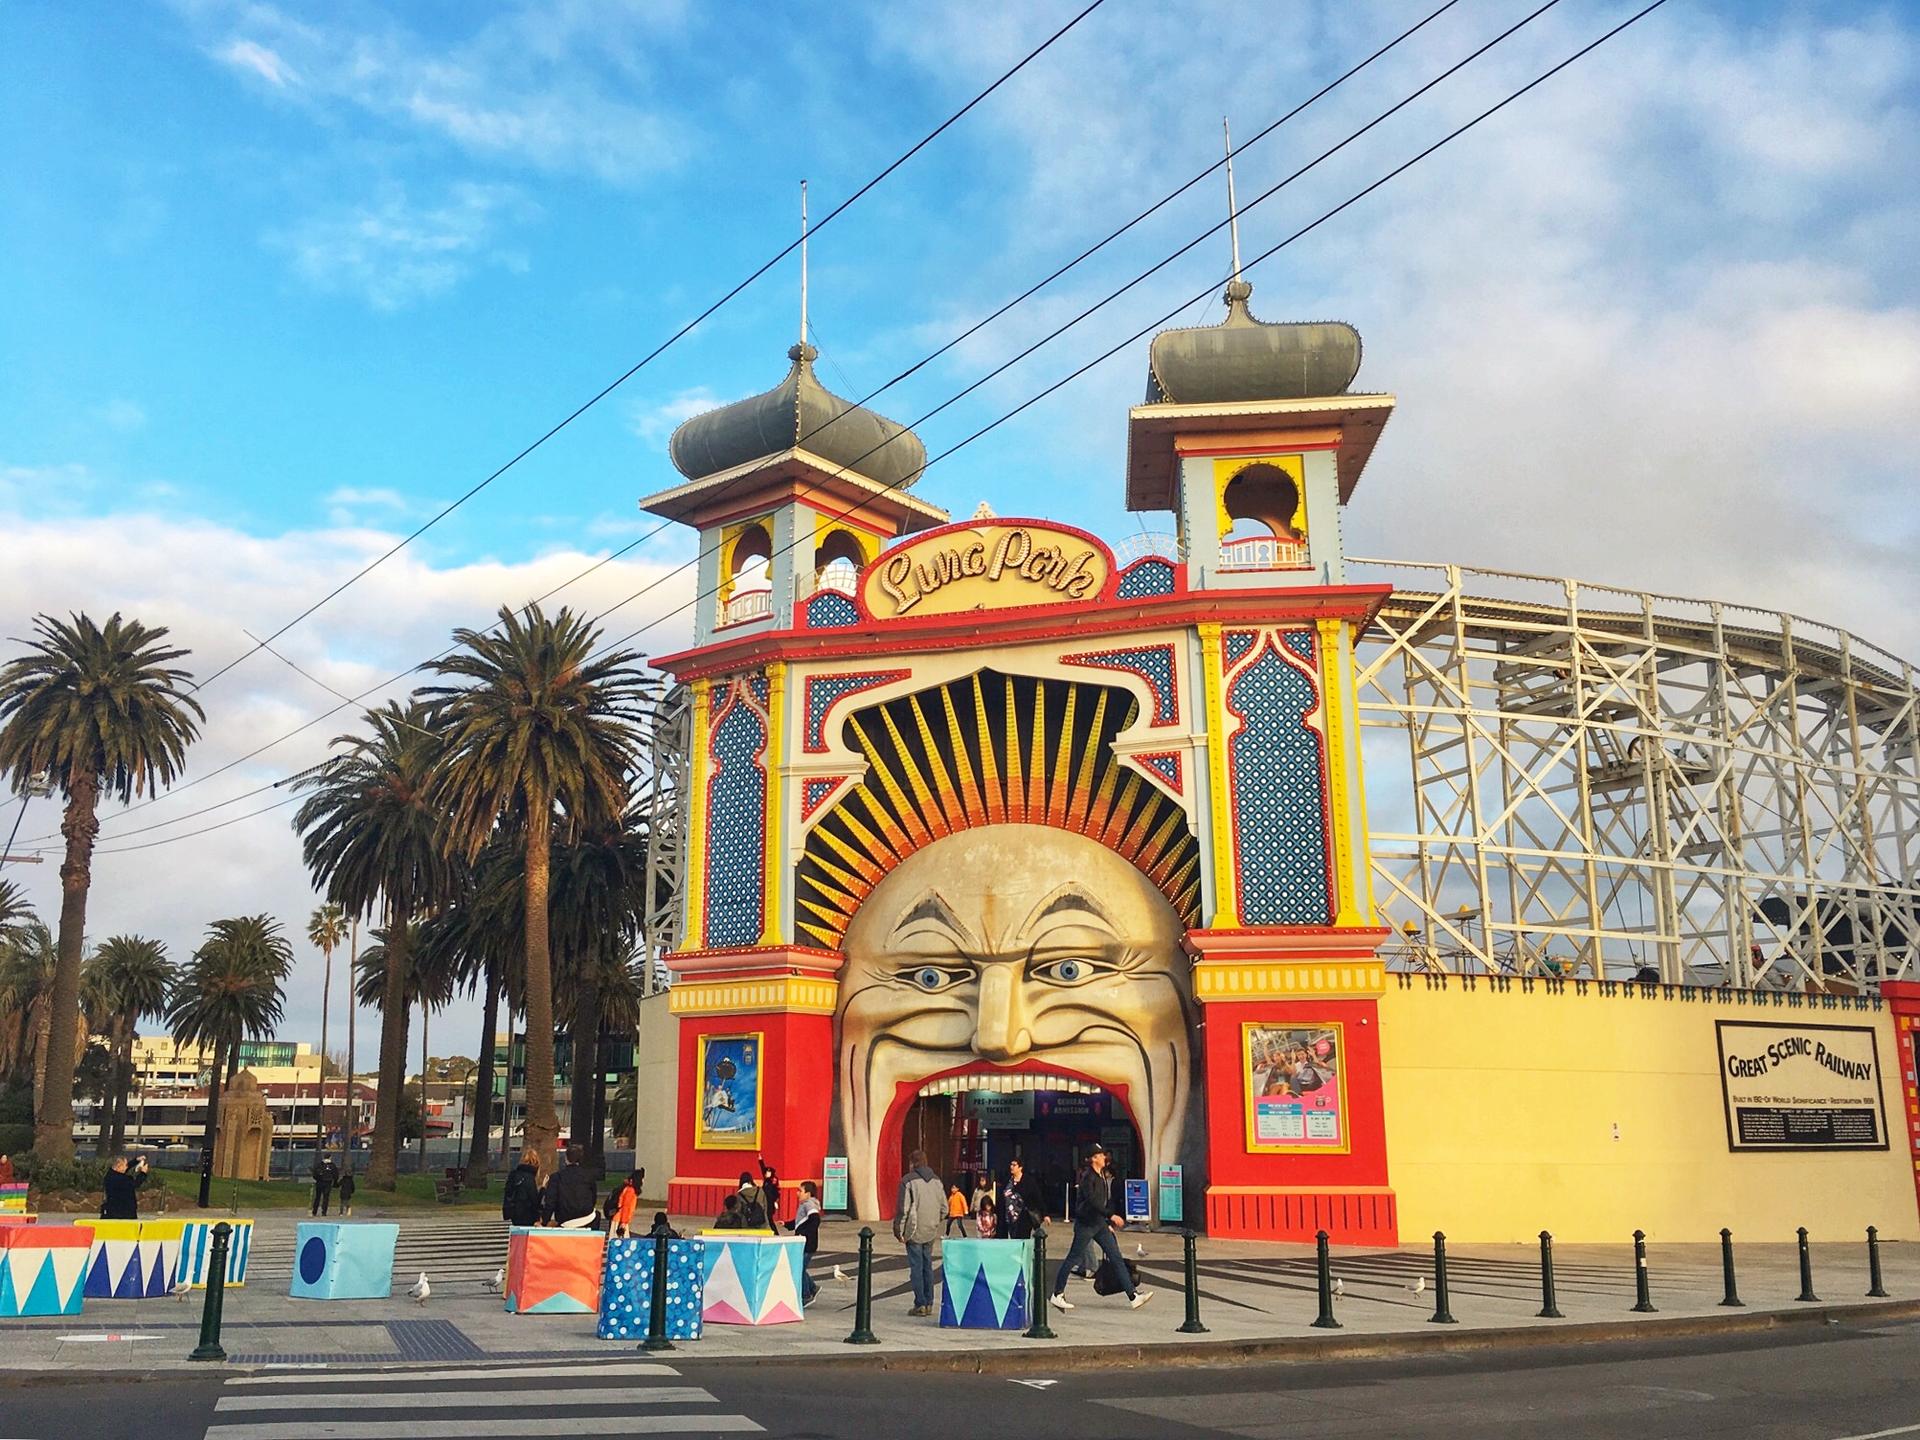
{"type": "Point", "coordinates": [1098, 1215]}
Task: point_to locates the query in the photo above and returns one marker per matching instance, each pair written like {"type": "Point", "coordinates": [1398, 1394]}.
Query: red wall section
{"type": "Point", "coordinates": [796, 1094]}
{"type": "Point", "coordinates": [1289, 1197]}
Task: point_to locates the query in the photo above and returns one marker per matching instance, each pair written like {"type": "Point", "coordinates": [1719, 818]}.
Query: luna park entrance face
{"type": "Point", "coordinates": [970, 1132]}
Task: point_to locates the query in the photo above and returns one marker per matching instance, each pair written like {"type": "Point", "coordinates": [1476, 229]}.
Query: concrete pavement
{"type": "Point", "coordinates": [1255, 1297]}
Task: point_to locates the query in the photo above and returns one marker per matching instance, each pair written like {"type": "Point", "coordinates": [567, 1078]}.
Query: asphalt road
{"type": "Point", "coordinates": [1834, 1383]}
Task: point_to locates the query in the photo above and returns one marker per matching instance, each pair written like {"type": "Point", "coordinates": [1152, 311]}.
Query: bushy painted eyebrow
{"type": "Point", "coordinates": [1073, 900]}
{"type": "Point", "coordinates": [935, 909]}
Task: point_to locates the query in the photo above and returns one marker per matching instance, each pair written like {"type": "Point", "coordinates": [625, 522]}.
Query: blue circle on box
{"type": "Point", "coordinates": [313, 1260]}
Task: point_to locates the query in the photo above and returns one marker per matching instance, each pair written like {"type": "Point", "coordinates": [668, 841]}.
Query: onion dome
{"type": "Point", "coordinates": [798, 414]}
{"type": "Point", "coordinates": [1245, 359]}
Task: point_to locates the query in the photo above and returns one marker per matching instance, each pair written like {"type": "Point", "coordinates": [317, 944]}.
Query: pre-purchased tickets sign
{"type": "Point", "coordinates": [1801, 1087]}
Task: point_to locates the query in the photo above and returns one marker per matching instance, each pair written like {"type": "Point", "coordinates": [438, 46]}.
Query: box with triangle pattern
{"type": "Point", "coordinates": [131, 1259]}
{"type": "Point", "coordinates": [42, 1268]}
{"type": "Point", "coordinates": [986, 1284]}
{"type": "Point", "coordinates": [751, 1280]}
{"type": "Point", "coordinates": [554, 1272]}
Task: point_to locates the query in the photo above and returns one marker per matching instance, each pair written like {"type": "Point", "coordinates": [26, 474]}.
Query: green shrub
{"type": "Point", "coordinates": [15, 1139]}
{"type": "Point", "coordinates": [62, 1175]}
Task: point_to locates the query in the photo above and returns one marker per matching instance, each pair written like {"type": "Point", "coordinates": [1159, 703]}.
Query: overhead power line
{"type": "Point", "coordinates": [655, 530]}
{"type": "Point", "coordinates": [1109, 353]}
{"type": "Point", "coordinates": [654, 353]}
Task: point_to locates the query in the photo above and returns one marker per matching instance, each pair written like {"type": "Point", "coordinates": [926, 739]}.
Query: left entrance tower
{"type": "Point", "coordinates": [793, 491]}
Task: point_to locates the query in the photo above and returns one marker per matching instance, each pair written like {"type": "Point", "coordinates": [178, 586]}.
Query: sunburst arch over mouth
{"type": "Point", "coordinates": [990, 749]}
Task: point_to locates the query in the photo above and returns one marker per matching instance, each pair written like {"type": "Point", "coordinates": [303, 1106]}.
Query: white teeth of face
{"type": "Point", "coordinates": [1007, 1084]}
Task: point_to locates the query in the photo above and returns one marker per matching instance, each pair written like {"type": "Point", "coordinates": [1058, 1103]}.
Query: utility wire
{"type": "Point", "coordinates": [655, 530]}
{"type": "Point", "coordinates": [1266, 254]}
{"type": "Point", "coordinates": [654, 353]}
{"type": "Point", "coordinates": [1108, 354]}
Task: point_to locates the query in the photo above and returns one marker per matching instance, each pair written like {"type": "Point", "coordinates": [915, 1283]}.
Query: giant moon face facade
{"type": "Point", "coordinates": [1012, 947]}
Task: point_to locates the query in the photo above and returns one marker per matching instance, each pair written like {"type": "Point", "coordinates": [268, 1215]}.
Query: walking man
{"type": "Point", "coordinates": [326, 1174]}
{"type": "Point", "coordinates": [919, 1210]}
{"type": "Point", "coordinates": [1097, 1215]}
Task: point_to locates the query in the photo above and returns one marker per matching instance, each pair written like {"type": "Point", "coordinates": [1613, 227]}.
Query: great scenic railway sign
{"type": "Point", "coordinates": [990, 565]}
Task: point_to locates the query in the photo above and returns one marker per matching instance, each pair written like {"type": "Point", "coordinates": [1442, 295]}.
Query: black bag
{"type": "Point", "coordinates": [1106, 1280]}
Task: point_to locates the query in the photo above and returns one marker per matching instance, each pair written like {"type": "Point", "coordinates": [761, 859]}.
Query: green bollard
{"type": "Point", "coordinates": [1442, 1315]}
{"type": "Point", "coordinates": [657, 1309]}
{"type": "Point", "coordinates": [1879, 1289]}
{"type": "Point", "coordinates": [1037, 1290]}
{"type": "Point", "coordinates": [863, 1294]}
{"type": "Point", "coordinates": [1323, 1263]}
{"type": "Point", "coordinates": [1642, 1285]}
{"type": "Point", "coordinates": [1726, 1269]}
{"type": "Point", "coordinates": [1549, 1308]}
{"type": "Point", "coordinates": [209, 1347]}
{"type": "Point", "coordinates": [1193, 1325]}
{"type": "Point", "coordinates": [1806, 1270]}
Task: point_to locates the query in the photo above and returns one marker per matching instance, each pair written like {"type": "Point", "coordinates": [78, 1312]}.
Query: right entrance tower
{"type": "Point", "coordinates": [1250, 436]}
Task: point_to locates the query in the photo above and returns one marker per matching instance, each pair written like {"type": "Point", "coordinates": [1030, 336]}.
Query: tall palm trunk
{"type": "Point", "coordinates": [586, 1064]}
{"type": "Point", "coordinates": [600, 1112]}
{"type": "Point", "coordinates": [113, 1128]}
{"type": "Point", "coordinates": [326, 999]}
{"type": "Point", "coordinates": [213, 1095]}
{"type": "Point", "coordinates": [479, 1153]}
{"type": "Point", "coordinates": [543, 1121]}
{"type": "Point", "coordinates": [384, 1163]}
{"type": "Point", "coordinates": [53, 1127]}
{"type": "Point", "coordinates": [353, 1006]}
{"type": "Point", "coordinates": [426, 1020]}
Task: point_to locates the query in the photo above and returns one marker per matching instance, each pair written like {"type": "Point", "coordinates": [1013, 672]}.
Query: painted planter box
{"type": "Point", "coordinates": [751, 1280]}
{"type": "Point", "coordinates": [43, 1269]}
{"type": "Point", "coordinates": [343, 1262]}
{"type": "Point", "coordinates": [196, 1247]}
{"type": "Point", "coordinates": [554, 1272]}
{"type": "Point", "coordinates": [13, 1198]}
{"type": "Point", "coordinates": [626, 1289]}
{"type": "Point", "coordinates": [986, 1284]}
{"type": "Point", "coordinates": [131, 1259]}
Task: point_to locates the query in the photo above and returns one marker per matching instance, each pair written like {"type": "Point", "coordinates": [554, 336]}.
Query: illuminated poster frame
{"type": "Point", "coordinates": [1280, 1123]}
{"type": "Point", "coordinates": [741, 1054]}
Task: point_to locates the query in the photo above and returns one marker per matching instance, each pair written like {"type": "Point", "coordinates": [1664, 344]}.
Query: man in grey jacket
{"type": "Point", "coordinates": [919, 1210]}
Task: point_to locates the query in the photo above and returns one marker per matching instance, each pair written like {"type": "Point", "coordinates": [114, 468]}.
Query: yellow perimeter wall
{"type": "Point", "coordinates": [1501, 1105]}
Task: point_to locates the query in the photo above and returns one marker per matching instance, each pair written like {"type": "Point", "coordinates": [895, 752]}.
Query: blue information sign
{"type": "Point", "coordinates": [1136, 1201]}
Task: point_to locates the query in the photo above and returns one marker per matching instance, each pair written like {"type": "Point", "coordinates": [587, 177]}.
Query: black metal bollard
{"type": "Point", "coordinates": [1038, 1290]}
{"type": "Point", "coordinates": [209, 1347]}
{"type": "Point", "coordinates": [1879, 1290]}
{"type": "Point", "coordinates": [1193, 1325]}
{"type": "Point", "coordinates": [1726, 1268]}
{"type": "Point", "coordinates": [1642, 1289]}
{"type": "Point", "coordinates": [1548, 1309]}
{"type": "Point", "coordinates": [657, 1311]}
{"type": "Point", "coordinates": [1324, 1264]}
{"type": "Point", "coordinates": [1806, 1269]}
{"type": "Point", "coordinates": [1441, 1314]}
{"type": "Point", "coordinates": [863, 1294]}
{"type": "Point", "coordinates": [206, 1177]}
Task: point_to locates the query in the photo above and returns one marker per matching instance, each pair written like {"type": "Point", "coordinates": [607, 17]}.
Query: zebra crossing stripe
{"type": "Point", "coordinates": [331, 1378]}
{"type": "Point", "coordinates": [485, 1399]}
{"type": "Point", "coordinates": [573, 1425]}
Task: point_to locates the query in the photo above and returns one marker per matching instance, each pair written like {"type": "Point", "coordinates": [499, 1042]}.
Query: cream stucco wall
{"type": "Point", "coordinates": [1514, 1109]}
{"type": "Point", "coordinates": [656, 1056]}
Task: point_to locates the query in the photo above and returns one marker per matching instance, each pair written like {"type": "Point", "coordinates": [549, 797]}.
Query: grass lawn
{"type": "Point", "coordinates": [415, 1192]}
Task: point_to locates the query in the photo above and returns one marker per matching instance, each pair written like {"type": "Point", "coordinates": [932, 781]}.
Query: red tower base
{"type": "Point", "coordinates": [1364, 1216]}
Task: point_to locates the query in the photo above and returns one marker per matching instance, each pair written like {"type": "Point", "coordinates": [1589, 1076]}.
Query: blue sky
{"type": "Point", "coordinates": [279, 280]}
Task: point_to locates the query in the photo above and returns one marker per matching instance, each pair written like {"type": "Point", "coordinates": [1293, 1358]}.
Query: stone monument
{"type": "Point", "coordinates": [243, 1143]}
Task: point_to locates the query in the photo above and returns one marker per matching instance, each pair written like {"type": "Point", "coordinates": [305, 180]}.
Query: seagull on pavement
{"type": "Point", "coordinates": [1139, 1250]}
{"type": "Point", "coordinates": [1419, 1286]}
{"type": "Point", "coordinates": [182, 1290]}
{"type": "Point", "coordinates": [1339, 1286]}
{"type": "Point", "coordinates": [499, 1279]}
{"type": "Point", "coordinates": [421, 1290]}
{"type": "Point", "coordinates": [839, 1274]}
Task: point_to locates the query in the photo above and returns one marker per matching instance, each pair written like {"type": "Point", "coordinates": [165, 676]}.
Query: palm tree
{"type": "Point", "coordinates": [230, 990]}
{"type": "Point", "coordinates": [131, 976]}
{"type": "Point", "coordinates": [100, 710]}
{"type": "Point", "coordinates": [426, 981]}
{"type": "Point", "coordinates": [536, 724]}
{"type": "Point", "coordinates": [372, 844]}
{"type": "Point", "coordinates": [326, 928]}
{"type": "Point", "coordinates": [15, 913]}
{"type": "Point", "coordinates": [29, 966]}
{"type": "Point", "coordinates": [474, 940]}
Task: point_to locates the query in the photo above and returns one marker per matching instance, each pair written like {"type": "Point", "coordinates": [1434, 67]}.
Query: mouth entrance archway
{"type": "Point", "coordinates": [980, 1119]}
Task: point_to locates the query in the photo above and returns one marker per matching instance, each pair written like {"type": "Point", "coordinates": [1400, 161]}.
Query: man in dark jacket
{"type": "Point", "coordinates": [520, 1202]}
{"type": "Point", "coordinates": [123, 1189]}
{"type": "Point", "coordinates": [1097, 1214]}
{"type": "Point", "coordinates": [1023, 1204]}
{"type": "Point", "coordinates": [326, 1175]}
{"type": "Point", "coordinates": [569, 1197]}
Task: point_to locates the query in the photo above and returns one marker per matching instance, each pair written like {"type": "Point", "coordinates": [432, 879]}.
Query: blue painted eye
{"type": "Point", "coordinates": [928, 977]}
{"type": "Point", "coordinates": [1069, 972]}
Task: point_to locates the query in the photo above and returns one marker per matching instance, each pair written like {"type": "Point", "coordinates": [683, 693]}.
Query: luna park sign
{"type": "Point", "coordinates": [993, 565]}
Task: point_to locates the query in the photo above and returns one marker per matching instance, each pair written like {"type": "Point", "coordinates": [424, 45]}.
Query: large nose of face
{"type": "Point", "coordinates": [1000, 1023]}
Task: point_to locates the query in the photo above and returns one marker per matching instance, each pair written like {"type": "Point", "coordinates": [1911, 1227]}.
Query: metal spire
{"type": "Point", "coordinates": [803, 262]}
{"type": "Point", "coordinates": [1233, 208]}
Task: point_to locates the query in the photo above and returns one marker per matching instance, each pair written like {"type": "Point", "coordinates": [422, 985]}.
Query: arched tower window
{"type": "Point", "coordinates": [1266, 522]}
{"type": "Point", "coordinates": [837, 560]}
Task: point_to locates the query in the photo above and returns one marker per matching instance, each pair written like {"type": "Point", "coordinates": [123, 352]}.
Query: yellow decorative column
{"type": "Point", "coordinates": [1226, 892]}
{"type": "Point", "coordinates": [775, 837]}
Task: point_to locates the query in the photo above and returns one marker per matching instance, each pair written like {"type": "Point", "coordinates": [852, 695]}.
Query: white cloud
{"type": "Point", "coordinates": [120, 413]}
{"type": "Point", "coordinates": [376, 498]}
{"type": "Point", "coordinates": [257, 59]}
{"type": "Point", "coordinates": [542, 85]}
{"type": "Point", "coordinates": [143, 565]}
{"type": "Point", "coordinates": [392, 252]}
{"type": "Point", "coordinates": [654, 421]}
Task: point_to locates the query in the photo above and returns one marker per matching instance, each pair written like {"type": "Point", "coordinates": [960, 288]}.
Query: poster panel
{"type": "Point", "coordinates": [833, 1183]}
{"type": "Point", "coordinates": [1801, 1087]}
{"type": "Point", "coordinates": [1173, 1195]}
{"type": "Point", "coordinates": [729, 1097]}
{"type": "Point", "coordinates": [1296, 1088]}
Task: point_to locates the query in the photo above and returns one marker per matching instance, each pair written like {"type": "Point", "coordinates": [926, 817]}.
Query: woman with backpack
{"type": "Point", "coordinates": [520, 1202]}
